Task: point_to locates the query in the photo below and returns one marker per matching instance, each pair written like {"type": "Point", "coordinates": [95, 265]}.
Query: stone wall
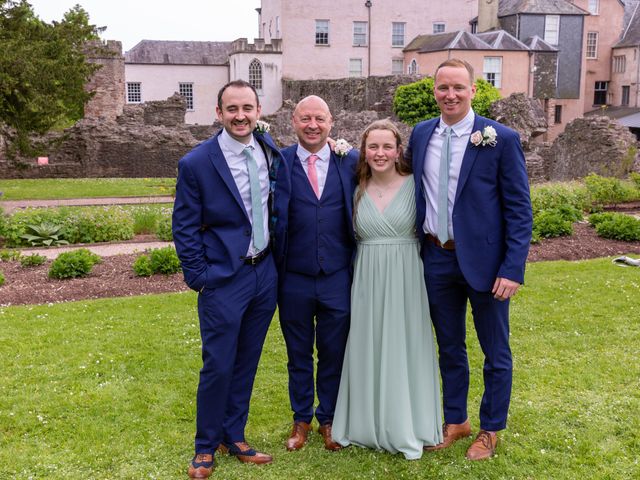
{"type": "Point", "coordinates": [147, 140]}
{"type": "Point", "coordinates": [593, 144]}
{"type": "Point", "coordinates": [351, 94]}
{"type": "Point", "coordinates": [108, 83]}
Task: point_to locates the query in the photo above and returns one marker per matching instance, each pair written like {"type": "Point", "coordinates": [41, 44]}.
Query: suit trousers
{"type": "Point", "coordinates": [315, 308]}
{"type": "Point", "coordinates": [234, 320]}
{"type": "Point", "coordinates": [448, 294]}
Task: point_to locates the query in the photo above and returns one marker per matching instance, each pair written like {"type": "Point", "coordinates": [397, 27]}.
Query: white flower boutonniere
{"type": "Point", "coordinates": [342, 147]}
{"type": "Point", "coordinates": [262, 127]}
{"type": "Point", "coordinates": [486, 137]}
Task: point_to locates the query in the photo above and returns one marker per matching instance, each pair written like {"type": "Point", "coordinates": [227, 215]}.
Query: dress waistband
{"type": "Point", "coordinates": [389, 241]}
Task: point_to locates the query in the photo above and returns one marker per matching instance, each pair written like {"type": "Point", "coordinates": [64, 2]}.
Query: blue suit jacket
{"type": "Point", "coordinates": [346, 167]}
{"type": "Point", "coordinates": [492, 217]}
{"type": "Point", "coordinates": [211, 229]}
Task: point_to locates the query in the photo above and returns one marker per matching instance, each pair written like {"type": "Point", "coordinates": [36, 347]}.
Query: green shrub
{"type": "Point", "coordinates": [16, 225]}
{"type": "Point", "coordinates": [32, 260]}
{"type": "Point", "coordinates": [555, 195]}
{"type": "Point", "coordinates": [597, 218]}
{"type": "Point", "coordinates": [551, 223]}
{"type": "Point", "coordinates": [142, 266]}
{"type": "Point", "coordinates": [605, 190]}
{"type": "Point", "coordinates": [415, 102]}
{"type": "Point", "coordinates": [103, 224]}
{"type": "Point", "coordinates": [163, 230]}
{"type": "Point", "coordinates": [8, 255]}
{"type": "Point", "coordinates": [165, 260]}
{"type": "Point", "coordinates": [145, 219]}
{"type": "Point", "coordinates": [44, 234]}
{"type": "Point", "coordinates": [635, 178]}
{"type": "Point", "coordinates": [76, 263]}
{"type": "Point", "coordinates": [1, 278]}
{"type": "Point", "coordinates": [619, 227]}
{"type": "Point", "coordinates": [535, 237]}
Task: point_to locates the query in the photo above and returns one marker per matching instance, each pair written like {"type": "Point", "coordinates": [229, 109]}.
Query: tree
{"type": "Point", "coordinates": [43, 69]}
{"type": "Point", "coordinates": [415, 102]}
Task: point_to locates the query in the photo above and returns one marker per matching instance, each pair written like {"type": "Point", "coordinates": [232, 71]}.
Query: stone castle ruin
{"type": "Point", "coordinates": [147, 140]}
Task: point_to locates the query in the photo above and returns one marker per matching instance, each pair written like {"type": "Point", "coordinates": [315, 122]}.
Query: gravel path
{"type": "Point", "coordinates": [10, 205]}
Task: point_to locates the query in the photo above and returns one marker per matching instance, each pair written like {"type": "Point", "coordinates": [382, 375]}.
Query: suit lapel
{"type": "Point", "coordinates": [220, 164]}
{"type": "Point", "coordinates": [345, 183]}
{"type": "Point", "coordinates": [420, 154]}
{"type": "Point", "coordinates": [470, 154]}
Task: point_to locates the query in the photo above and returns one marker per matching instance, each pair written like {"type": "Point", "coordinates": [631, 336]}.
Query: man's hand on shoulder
{"type": "Point", "coordinates": [503, 288]}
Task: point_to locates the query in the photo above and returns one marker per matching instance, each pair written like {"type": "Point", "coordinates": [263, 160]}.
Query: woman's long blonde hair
{"type": "Point", "coordinates": [363, 171]}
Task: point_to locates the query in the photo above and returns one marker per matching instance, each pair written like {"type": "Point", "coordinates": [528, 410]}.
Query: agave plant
{"type": "Point", "coordinates": [44, 234]}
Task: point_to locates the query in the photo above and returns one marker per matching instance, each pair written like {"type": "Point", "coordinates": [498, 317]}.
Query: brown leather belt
{"type": "Point", "coordinates": [256, 259]}
{"type": "Point", "coordinates": [448, 245]}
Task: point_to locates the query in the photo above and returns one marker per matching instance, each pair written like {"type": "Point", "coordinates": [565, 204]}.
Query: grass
{"type": "Point", "coordinates": [106, 389]}
{"type": "Point", "coordinates": [58, 188]}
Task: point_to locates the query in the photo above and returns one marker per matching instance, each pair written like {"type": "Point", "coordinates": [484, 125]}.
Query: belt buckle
{"type": "Point", "coordinates": [254, 260]}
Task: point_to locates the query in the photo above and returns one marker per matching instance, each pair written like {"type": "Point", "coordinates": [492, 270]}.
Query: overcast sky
{"type": "Point", "coordinates": [133, 20]}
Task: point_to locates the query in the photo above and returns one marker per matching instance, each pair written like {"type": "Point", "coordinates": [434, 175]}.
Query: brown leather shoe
{"type": "Point", "coordinates": [298, 438]}
{"type": "Point", "coordinates": [201, 466]}
{"type": "Point", "coordinates": [484, 446]}
{"type": "Point", "coordinates": [329, 444]}
{"type": "Point", "coordinates": [451, 433]}
{"type": "Point", "coordinates": [243, 452]}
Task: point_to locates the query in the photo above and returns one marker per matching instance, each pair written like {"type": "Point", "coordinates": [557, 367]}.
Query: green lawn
{"type": "Point", "coordinates": [106, 389]}
{"type": "Point", "coordinates": [56, 188]}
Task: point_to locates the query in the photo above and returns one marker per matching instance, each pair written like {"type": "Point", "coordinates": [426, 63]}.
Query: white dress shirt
{"type": "Point", "coordinates": [322, 164]}
{"type": "Point", "coordinates": [237, 162]}
{"type": "Point", "coordinates": [460, 135]}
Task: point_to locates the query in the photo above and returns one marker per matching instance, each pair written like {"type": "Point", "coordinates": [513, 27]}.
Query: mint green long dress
{"type": "Point", "coordinates": [389, 397]}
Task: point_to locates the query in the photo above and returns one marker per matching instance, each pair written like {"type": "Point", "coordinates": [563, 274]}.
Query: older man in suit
{"type": "Point", "coordinates": [315, 268]}
{"type": "Point", "coordinates": [474, 218]}
{"type": "Point", "coordinates": [221, 233]}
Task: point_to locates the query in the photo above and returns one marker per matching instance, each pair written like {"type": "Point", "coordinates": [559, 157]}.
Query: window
{"type": "Point", "coordinates": [438, 27]}
{"type": "Point", "coordinates": [397, 66]}
{"type": "Point", "coordinates": [397, 34]}
{"type": "Point", "coordinates": [413, 67]}
{"type": "Point", "coordinates": [492, 71]}
{"type": "Point", "coordinates": [593, 7]}
{"type": "Point", "coordinates": [255, 74]}
{"type": "Point", "coordinates": [625, 95]}
{"type": "Point", "coordinates": [551, 28]}
{"type": "Point", "coordinates": [592, 45]}
{"type": "Point", "coordinates": [557, 117]}
{"type": "Point", "coordinates": [355, 67]}
{"type": "Point", "coordinates": [359, 34]}
{"type": "Point", "coordinates": [186, 90]}
{"type": "Point", "coordinates": [134, 92]}
{"type": "Point", "coordinates": [277, 27]}
{"type": "Point", "coordinates": [322, 32]}
{"type": "Point", "coordinates": [600, 93]}
{"type": "Point", "coordinates": [619, 63]}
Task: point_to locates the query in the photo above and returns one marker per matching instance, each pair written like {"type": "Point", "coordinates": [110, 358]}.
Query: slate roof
{"type": "Point", "coordinates": [461, 40]}
{"type": "Point", "coordinates": [631, 33]}
{"type": "Point", "coordinates": [545, 7]}
{"type": "Point", "coordinates": [538, 44]}
{"type": "Point", "coordinates": [171, 52]}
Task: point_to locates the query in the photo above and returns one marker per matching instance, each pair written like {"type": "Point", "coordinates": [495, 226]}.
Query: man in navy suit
{"type": "Point", "coordinates": [221, 232]}
{"type": "Point", "coordinates": [315, 268]}
{"type": "Point", "coordinates": [474, 219]}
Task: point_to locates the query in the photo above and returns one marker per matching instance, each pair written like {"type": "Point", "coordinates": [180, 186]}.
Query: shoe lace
{"type": "Point", "coordinates": [485, 438]}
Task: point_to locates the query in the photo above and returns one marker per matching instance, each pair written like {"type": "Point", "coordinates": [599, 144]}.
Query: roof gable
{"type": "Point", "coordinates": [544, 7]}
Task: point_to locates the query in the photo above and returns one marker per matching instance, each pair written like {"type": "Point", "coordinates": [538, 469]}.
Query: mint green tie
{"type": "Point", "coordinates": [257, 218]}
{"type": "Point", "coordinates": [443, 187]}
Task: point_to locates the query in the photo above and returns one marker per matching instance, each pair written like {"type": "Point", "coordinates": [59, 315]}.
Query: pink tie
{"type": "Point", "coordinates": [313, 174]}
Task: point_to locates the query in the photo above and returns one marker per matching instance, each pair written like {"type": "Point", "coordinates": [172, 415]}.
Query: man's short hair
{"type": "Point", "coordinates": [237, 84]}
{"type": "Point", "coordinates": [457, 63]}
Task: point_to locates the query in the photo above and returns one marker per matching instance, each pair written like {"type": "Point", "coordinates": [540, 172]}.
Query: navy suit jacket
{"type": "Point", "coordinates": [492, 217]}
{"type": "Point", "coordinates": [346, 167]}
{"type": "Point", "coordinates": [211, 229]}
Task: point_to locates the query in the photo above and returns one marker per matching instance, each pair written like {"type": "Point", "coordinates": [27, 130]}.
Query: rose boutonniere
{"type": "Point", "coordinates": [262, 127]}
{"type": "Point", "coordinates": [342, 147]}
{"type": "Point", "coordinates": [486, 137]}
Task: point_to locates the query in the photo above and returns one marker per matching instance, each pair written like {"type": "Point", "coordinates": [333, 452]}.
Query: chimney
{"type": "Point", "coordinates": [487, 15]}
